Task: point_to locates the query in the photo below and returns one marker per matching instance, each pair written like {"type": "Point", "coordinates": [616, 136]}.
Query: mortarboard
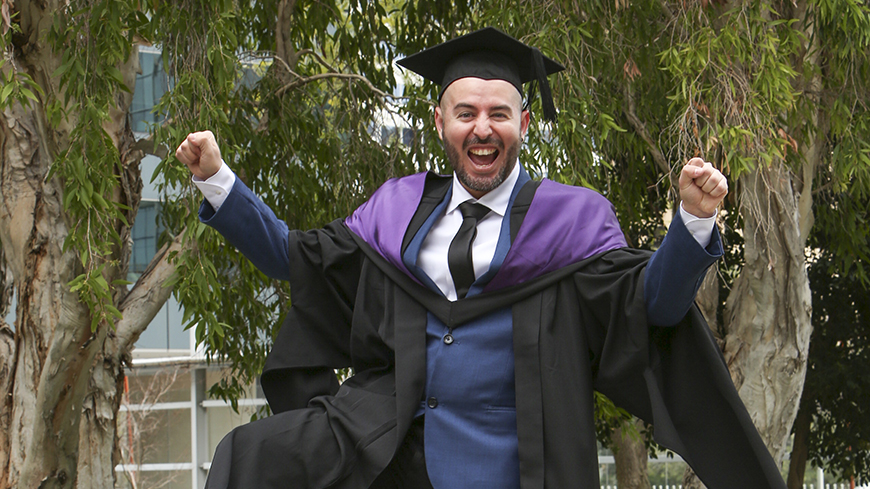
{"type": "Point", "coordinates": [489, 54]}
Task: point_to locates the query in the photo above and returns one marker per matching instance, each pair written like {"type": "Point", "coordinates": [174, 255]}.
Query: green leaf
{"type": "Point", "coordinates": [27, 93]}
{"type": "Point", "coordinates": [101, 283]}
{"type": "Point", "coordinates": [6, 91]}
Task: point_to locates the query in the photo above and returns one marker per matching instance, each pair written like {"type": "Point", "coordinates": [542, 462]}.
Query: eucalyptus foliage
{"type": "Point", "coordinates": [313, 115]}
{"type": "Point", "coordinates": [322, 126]}
{"type": "Point", "coordinates": [746, 85]}
{"type": "Point", "coordinates": [649, 84]}
{"type": "Point", "coordinates": [749, 86]}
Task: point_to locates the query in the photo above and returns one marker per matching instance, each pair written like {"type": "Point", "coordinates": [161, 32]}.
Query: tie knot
{"type": "Point", "coordinates": [473, 210]}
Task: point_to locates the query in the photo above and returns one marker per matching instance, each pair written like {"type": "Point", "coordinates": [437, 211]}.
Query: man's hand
{"type": "Point", "coordinates": [702, 188]}
{"type": "Point", "coordinates": [200, 152]}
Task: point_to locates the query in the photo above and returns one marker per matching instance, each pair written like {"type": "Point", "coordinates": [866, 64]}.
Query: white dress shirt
{"type": "Point", "coordinates": [216, 187]}
{"type": "Point", "coordinates": [433, 252]}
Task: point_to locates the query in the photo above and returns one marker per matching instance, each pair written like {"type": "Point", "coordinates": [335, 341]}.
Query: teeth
{"type": "Point", "coordinates": [482, 152]}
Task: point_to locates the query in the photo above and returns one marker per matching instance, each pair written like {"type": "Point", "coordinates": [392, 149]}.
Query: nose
{"type": "Point", "coordinates": [482, 128]}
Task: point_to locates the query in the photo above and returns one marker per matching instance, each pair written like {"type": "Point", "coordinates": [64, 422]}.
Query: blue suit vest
{"type": "Point", "coordinates": [470, 397]}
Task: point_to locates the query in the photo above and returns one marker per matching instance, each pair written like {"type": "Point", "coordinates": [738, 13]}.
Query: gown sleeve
{"type": "Point", "coordinates": [675, 272]}
{"type": "Point", "coordinates": [673, 377]}
{"type": "Point", "coordinates": [323, 268]}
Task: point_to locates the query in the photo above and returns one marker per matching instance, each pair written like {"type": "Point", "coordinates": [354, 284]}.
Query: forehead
{"type": "Point", "coordinates": [478, 91]}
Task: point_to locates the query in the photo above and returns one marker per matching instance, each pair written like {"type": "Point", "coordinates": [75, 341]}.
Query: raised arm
{"type": "Point", "coordinates": [692, 244]}
{"type": "Point", "coordinates": [233, 210]}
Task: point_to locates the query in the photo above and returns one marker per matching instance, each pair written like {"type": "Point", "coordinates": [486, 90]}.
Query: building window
{"type": "Point", "coordinates": [145, 233]}
{"type": "Point", "coordinates": [151, 84]}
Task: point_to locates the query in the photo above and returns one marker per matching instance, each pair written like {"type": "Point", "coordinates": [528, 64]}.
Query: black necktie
{"type": "Point", "coordinates": [459, 253]}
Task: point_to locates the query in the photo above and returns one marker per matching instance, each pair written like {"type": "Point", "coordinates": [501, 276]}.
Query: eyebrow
{"type": "Point", "coordinates": [502, 108]}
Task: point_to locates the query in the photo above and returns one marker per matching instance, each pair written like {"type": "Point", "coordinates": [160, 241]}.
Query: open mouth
{"type": "Point", "coordinates": [483, 156]}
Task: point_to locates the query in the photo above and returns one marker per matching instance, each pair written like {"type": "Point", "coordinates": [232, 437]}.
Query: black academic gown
{"type": "Point", "coordinates": [576, 329]}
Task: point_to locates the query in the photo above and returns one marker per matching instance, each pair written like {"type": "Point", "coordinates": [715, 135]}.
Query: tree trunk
{"type": "Point", "coordinates": [53, 336]}
{"type": "Point", "coordinates": [7, 371]}
{"type": "Point", "coordinates": [708, 298]}
{"type": "Point", "coordinates": [60, 380]}
{"type": "Point", "coordinates": [691, 481]}
{"type": "Point", "coordinates": [631, 457]}
{"type": "Point", "coordinates": [797, 466]}
{"type": "Point", "coordinates": [768, 312]}
{"type": "Point", "coordinates": [708, 302]}
{"type": "Point", "coordinates": [98, 436]}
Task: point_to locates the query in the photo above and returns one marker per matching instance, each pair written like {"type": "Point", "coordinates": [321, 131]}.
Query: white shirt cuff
{"type": "Point", "coordinates": [216, 187]}
{"type": "Point", "coordinates": [701, 228]}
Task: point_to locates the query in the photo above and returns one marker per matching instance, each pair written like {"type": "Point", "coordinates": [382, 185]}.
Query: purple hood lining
{"type": "Point", "coordinates": [564, 225]}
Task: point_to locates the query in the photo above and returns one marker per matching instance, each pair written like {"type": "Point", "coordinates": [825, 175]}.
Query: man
{"type": "Point", "coordinates": [478, 313]}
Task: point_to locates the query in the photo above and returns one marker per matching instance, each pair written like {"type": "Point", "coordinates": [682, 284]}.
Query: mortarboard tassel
{"type": "Point", "coordinates": [546, 95]}
{"type": "Point", "coordinates": [531, 94]}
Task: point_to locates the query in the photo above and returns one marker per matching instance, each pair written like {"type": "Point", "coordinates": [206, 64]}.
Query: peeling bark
{"type": "Point", "coordinates": [61, 380]}
{"type": "Point", "coordinates": [769, 309]}
{"type": "Point", "coordinates": [63, 398]}
{"type": "Point", "coordinates": [53, 333]}
{"type": "Point", "coordinates": [97, 432]}
{"type": "Point", "coordinates": [98, 436]}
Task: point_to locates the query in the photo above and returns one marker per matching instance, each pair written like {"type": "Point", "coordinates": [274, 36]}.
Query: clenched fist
{"type": "Point", "coordinates": [200, 152]}
{"type": "Point", "coordinates": [702, 188]}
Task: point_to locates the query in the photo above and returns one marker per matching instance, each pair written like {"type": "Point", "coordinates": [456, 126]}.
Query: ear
{"type": "Point", "coordinates": [439, 123]}
{"type": "Point", "coordinates": [525, 118]}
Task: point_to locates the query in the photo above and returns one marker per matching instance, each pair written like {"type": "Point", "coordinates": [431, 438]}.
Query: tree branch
{"type": "Point", "coordinates": [347, 76]}
{"type": "Point", "coordinates": [319, 59]}
{"type": "Point", "coordinates": [640, 128]}
{"type": "Point", "coordinates": [147, 146]}
{"type": "Point", "coordinates": [146, 297]}
{"type": "Point", "coordinates": [333, 73]}
{"type": "Point", "coordinates": [285, 50]}
{"type": "Point", "coordinates": [817, 147]}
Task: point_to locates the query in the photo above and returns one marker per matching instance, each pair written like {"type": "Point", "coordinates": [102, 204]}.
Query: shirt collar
{"type": "Point", "coordinates": [497, 199]}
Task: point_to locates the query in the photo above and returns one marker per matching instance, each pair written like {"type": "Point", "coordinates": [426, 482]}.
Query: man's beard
{"type": "Point", "coordinates": [482, 184]}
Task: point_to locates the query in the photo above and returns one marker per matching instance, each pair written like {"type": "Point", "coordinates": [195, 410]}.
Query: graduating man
{"type": "Point", "coordinates": [479, 312]}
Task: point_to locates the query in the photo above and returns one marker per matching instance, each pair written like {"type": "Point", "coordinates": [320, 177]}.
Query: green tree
{"type": "Point", "coordinates": [70, 188]}
{"type": "Point", "coordinates": [773, 93]}
{"type": "Point", "coordinates": [70, 183]}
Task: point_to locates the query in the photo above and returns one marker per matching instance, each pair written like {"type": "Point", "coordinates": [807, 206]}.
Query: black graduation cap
{"type": "Point", "coordinates": [489, 54]}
